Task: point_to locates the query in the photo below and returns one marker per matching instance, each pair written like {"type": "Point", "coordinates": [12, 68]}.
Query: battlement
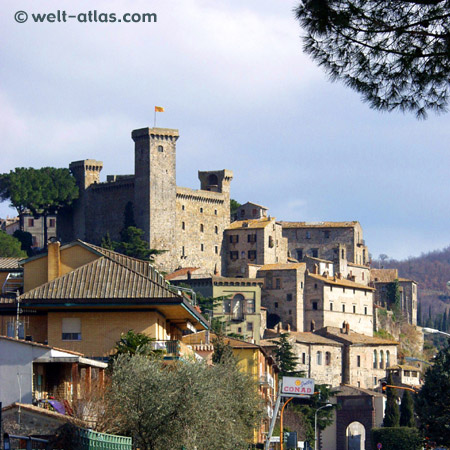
{"type": "Point", "coordinates": [155, 133]}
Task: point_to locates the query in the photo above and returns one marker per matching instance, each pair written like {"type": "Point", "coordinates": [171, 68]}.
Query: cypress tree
{"type": "Point", "coordinates": [285, 356]}
{"type": "Point", "coordinates": [392, 414]}
{"type": "Point", "coordinates": [407, 411]}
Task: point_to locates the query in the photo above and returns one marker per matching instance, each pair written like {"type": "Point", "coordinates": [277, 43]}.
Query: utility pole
{"type": "Point", "coordinates": [17, 315]}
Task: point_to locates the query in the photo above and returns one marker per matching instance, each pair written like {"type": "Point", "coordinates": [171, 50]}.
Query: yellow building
{"type": "Point", "coordinates": [253, 360]}
{"type": "Point", "coordinates": [81, 297]}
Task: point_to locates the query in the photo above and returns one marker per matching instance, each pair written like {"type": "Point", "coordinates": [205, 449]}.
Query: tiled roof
{"type": "Point", "coordinates": [181, 272]}
{"type": "Point", "coordinates": [37, 344]}
{"type": "Point", "coordinates": [319, 259]}
{"type": "Point", "coordinates": [7, 299]}
{"type": "Point", "coordinates": [254, 204]}
{"type": "Point", "coordinates": [319, 224]}
{"type": "Point", "coordinates": [250, 224]}
{"type": "Point", "coordinates": [301, 338]}
{"type": "Point", "coordinates": [345, 390]}
{"type": "Point", "coordinates": [352, 337]}
{"type": "Point", "coordinates": [403, 367]}
{"type": "Point", "coordinates": [200, 338]}
{"type": "Point", "coordinates": [340, 282]}
{"type": "Point", "coordinates": [383, 275]}
{"type": "Point", "coordinates": [113, 276]}
{"type": "Point", "coordinates": [280, 266]}
{"type": "Point", "coordinates": [406, 280]}
{"type": "Point", "coordinates": [9, 263]}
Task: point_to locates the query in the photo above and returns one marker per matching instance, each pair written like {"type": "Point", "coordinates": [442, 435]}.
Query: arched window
{"type": "Point", "coordinates": [327, 358]}
{"type": "Point", "coordinates": [375, 359]}
{"type": "Point", "coordinates": [388, 363]}
{"type": "Point", "coordinates": [213, 180]}
{"type": "Point", "coordinates": [381, 359]}
{"type": "Point", "coordinates": [237, 306]}
{"type": "Point", "coordinates": [160, 148]}
{"type": "Point", "coordinates": [319, 358]}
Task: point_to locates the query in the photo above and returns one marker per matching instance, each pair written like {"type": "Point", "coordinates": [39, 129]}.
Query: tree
{"type": "Point", "coordinates": [234, 205]}
{"type": "Point", "coordinates": [391, 414]}
{"type": "Point", "coordinates": [134, 245]}
{"type": "Point", "coordinates": [132, 343]}
{"type": "Point", "coordinates": [26, 241]}
{"type": "Point", "coordinates": [223, 353]}
{"type": "Point", "coordinates": [407, 411]}
{"type": "Point", "coordinates": [433, 400]}
{"type": "Point", "coordinates": [394, 298]}
{"type": "Point", "coordinates": [107, 243]}
{"type": "Point", "coordinates": [41, 191]}
{"type": "Point", "coordinates": [184, 404]}
{"type": "Point", "coordinates": [10, 247]}
{"type": "Point", "coordinates": [285, 356]}
{"type": "Point", "coordinates": [396, 54]}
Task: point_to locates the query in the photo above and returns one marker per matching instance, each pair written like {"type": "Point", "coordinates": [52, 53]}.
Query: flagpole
{"type": "Point", "coordinates": [154, 122]}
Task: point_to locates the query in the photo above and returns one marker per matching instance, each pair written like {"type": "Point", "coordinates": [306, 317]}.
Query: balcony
{"type": "Point", "coordinates": [267, 380]}
{"type": "Point", "coordinates": [174, 350]}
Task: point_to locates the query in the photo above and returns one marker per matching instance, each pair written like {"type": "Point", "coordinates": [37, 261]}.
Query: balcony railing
{"type": "Point", "coordinates": [174, 349]}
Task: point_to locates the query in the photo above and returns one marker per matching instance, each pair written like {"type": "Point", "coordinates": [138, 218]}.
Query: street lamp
{"type": "Point", "coordinates": [328, 405]}
{"type": "Point", "coordinates": [433, 331]}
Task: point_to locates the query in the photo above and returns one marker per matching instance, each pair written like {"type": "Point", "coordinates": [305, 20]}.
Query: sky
{"type": "Point", "coordinates": [233, 79]}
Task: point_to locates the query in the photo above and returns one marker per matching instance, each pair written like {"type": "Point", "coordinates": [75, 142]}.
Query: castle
{"type": "Point", "coordinates": [187, 224]}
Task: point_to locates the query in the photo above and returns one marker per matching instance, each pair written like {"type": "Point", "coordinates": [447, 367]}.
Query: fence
{"type": "Point", "coordinates": [91, 440]}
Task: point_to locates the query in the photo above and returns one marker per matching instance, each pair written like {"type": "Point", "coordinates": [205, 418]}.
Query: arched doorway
{"type": "Point", "coordinates": [273, 320]}
{"type": "Point", "coordinates": [355, 436]}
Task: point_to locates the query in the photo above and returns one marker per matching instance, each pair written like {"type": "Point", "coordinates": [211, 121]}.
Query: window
{"type": "Point", "coordinates": [343, 253]}
{"type": "Point", "coordinates": [202, 247]}
{"type": "Point", "coordinates": [242, 212]}
{"type": "Point", "coordinates": [249, 326]}
{"type": "Point", "coordinates": [327, 358]}
{"type": "Point", "coordinates": [201, 210]}
{"type": "Point", "coordinates": [276, 304]}
{"type": "Point", "coordinates": [227, 306]}
{"type": "Point", "coordinates": [71, 329]}
{"type": "Point", "coordinates": [237, 307]}
{"type": "Point", "coordinates": [362, 275]}
{"type": "Point", "coordinates": [202, 228]}
{"type": "Point", "coordinates": [160, 148]}
{"type": "Point", "coordinates": [216, 249]}
{"type": "Point", "coordinates": [271, 242]}
{"type": "Point", "coordinates": [11, 330]}
{"type": "Point", "coordinates": [183, 226]}
{"type": "Point", "coordinates": [234, 238]}
{"type": "Point", "coordinates": [375, 381]}
{"type": "Point", "coordinates": [31, 223]}
{"type": "Point", "coordinates": [365, 310]}
{"type": "Point", "coordinates": [326, 234]}
{"type": "Point", "coordinates": [182, 207]}
{"type": "Point", "coordinates": [52, 223]}
{"type": "Point", "coordinates": [251, 238]}
{"type": "Point", "coordinates": [303, 358]}
{"type": "Point", "coordinates": [319, 358]}
{"type": "Point", "coordinates": [182, 251]}
{"type": "Point", "coordinates": [343, 308]}
{"type": "Point", "coordinates": [375, 359]}
{"type": "Point", "coordinates": [387, 358]}
{"type": "Point", "coordinates": [354, 309]}
{"type": "Point", "coordinates": [314, 306]}
{"type": "Point", "coordinates": [277, 283]}
{"type": "Point", "coordinates": [315, 252]}
{"type": "Point", "coordinates": [216, 229]}
{"type": "Point", "coordinates": [315, 285]}
{"type": "Point", "coordinates": [215, 212]}
{"type": "Point", "coordinates": [289, 297]}
{"type": "Point", "coordinates": [414, 374]}
{"type": "Point", "coordinates": [250, 306]}
{"type": "Point", "coordinates": [254, 212]}
{"type": "Point", "coordinates": [252, 255]}
{"type": "Point", "coordinates": [308, 235]}
{"type": "Point", "coordinates": [299, 252]}
{"type": "Point", "coordinates": [358, 361]}
{"type": "Point", "coordinates": [331, 306]}
{"type": "Point", "coordinates": [381, 359]}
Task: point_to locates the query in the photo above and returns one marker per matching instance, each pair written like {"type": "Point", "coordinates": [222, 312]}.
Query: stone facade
{"type": "Point", "coordinates": [326, 240]}
{"type": "Point", "coordinates": [331, 301]}
{"type": "Point", "coordinates": [188, 224]}
{"type": "Point", "coordinates": [253, 242]}
{"type": "Point", "coordinates": [251, 211]}
{"type": "Point", "coordinates": [282, 294]}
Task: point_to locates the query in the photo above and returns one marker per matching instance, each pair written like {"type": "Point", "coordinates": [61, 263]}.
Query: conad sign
{"type": "Point", "coordinates": [294, 386]}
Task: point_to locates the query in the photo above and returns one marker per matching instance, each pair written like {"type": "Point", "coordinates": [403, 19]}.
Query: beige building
{"type": "Point", "coordinates": [251, 211]}
{"type": "Point", "coordinates": [253, 242]}
{"type": "Point", "coordinates": [382, 278]}
{"type": "Point", "coordinates": [333, 301]}
{"type": "Point", "coordinates": [240, 305]}
{"type": "Point", "coordinates": [282, 294]}
{"type": "Point", "coordinates": [326, 240]}
{"type": "Point", "coordinates": [187, 223]}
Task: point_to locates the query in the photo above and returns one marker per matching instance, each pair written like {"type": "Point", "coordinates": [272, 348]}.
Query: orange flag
{"type": "Point", "coordinates": [159, 109]}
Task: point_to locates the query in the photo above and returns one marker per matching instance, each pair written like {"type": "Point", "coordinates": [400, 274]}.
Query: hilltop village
{"type": "Point", "coordinates": [310, 280]}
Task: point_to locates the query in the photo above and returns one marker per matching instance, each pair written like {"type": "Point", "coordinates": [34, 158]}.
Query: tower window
{"type": "Point", "coordinates": [314, 305]}
{"type": "Point", "coordinates": [183, 226]}
{"type": "Point", "coordinates": [343, 308]}
{"type": "Point", "coordinates": [216, 249]}
{"type": "Point", "coordinates": [365, 310]}
{"type": "Point", "coordinates": [201, 228]}
{"type": "Point", "coordinates": [215, 212]}
{"type": "Point", "coordinates": [289, 297]}
{"type": "Point", "coordinates": [201, 210]}
{"type": "Point", "coordinates": [182, 207]}
{"type": "Point", "coordinates": [216, 229]}
{"type": "Point", "coordinates": [202, 247]}
{"type": "Point", "coordinates": [354, 309]}
{"type": "Point", "coordinates": [160, 148]}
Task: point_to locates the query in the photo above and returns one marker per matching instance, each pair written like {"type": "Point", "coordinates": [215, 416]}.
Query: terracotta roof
{"type": "Point", "coordinates": [181, 272]}
{"type": "Point", "coordinates": [345, 390]}
{"type": "Point", "coordinates": [301, 338]}
{"type": "Point", "coordinates": [103, 278]}
{"type": "Point", "coordinates": [37, 344]}
{"type": "Point", "coordinates": [7, 299]}
{"type": "Point", "coordinates": [340, 282]}
{"type": "Point", "coordinates": [319, 259]}
{"type": "Point", "coordinates": [353, 338]}
{"type": "Point", "coordinates": [319, 224]}
{"type": "Point", "coordinates": [9, 263]}
{"type": "Point", "coordinates": [362, 266]}
{"type": "Point", "coordinates": [383, 275]}
{"type": "Point", "coordinates": [250, 224]}
{"type": "Point", "coordinates": [406, 280]}
{"type": "Point", "coordinates": [44, 412]}
{"type": "Point", "coordinates": [281, 266]}
{"type": "Point", "coordinates": [254, 204]}
{"type": "Point", "coordinates": [200, 338]}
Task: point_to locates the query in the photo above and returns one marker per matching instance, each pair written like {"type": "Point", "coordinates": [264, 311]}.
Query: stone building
{"type": "Point", "coordinates": [253, 242]}
{"type": "Point", "coordinates": [380, 279]}
{"type": "Point", "coordinates": [331, 301]}
{"type": "Point", "coordinates": [240, 308]}
{"type": "Point", "coordinates": [251, 211]}
{"type": "Point", "coordinates": [188, 224]}
{"type": "Point", "coordinates": [282, 294]}
{"type": "Point", "coordinates": [326, 240]}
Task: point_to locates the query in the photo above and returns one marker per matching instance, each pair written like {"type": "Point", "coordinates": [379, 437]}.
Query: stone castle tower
{"type": "Point", "coordinates": [188, 224]}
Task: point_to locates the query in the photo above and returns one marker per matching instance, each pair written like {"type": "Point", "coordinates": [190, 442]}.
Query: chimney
{"type": "Point", "coordinates": [347, 328]}
{"type": "Point", "coordinates": [53, 261]}
{"type": "Point", "coordinates": [316, 269]}
{"type": "Point", "coordinates": [288, 326]}
{"type": "Point", "coordinates": [279, 327]}
{"type": "Point", "coordinates": [344, 326]}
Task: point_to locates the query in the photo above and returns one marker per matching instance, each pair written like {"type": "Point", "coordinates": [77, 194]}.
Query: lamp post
{"type": "Point", "coordinates": [328, 405]}
{"type": "Point", "coordinates": [433, 331]}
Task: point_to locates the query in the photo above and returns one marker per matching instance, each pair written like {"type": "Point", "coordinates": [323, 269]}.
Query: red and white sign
{"type": "Point", "coordinates": [293, 387]}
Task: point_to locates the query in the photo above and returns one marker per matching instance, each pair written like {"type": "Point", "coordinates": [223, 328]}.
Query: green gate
{"type": "Point", "coordinates": [91, 440]}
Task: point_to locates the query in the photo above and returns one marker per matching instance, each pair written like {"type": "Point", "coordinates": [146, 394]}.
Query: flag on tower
{"type": "Point", "coordinates": [159, 109]}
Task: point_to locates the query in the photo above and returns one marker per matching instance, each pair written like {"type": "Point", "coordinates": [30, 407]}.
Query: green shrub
{"type": "Point", "coordinates": [397, 438]}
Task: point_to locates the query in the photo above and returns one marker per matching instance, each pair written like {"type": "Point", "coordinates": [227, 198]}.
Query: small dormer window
{"type": "Point", "coordinates": [160, 148]}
